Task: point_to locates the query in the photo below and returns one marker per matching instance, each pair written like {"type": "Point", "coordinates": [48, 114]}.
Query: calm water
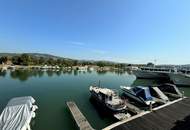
{"type": "Point", "coordinates": [52, 89]}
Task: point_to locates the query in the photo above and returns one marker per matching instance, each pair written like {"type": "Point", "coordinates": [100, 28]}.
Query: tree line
{"type": "Point", "coordinates": [26, 60]}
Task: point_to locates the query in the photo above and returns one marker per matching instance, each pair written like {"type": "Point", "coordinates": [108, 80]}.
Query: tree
{"type": "Point", "coordinates": [121, 65]}
{"type": "Point", "coordinates": [68, 63]}
{"type": "Point", "coordinates": [15, 60]}
{"type": "Point", "coordinates": [58, 62]}
{"type": "Point", "coordinates": [42, 61]}
{"type": "Point", "coordinates": [75, 62]}
{"type": "Point", "coordinates": [25, 59]}
{"type": "Point", "coordinates": [3, 59]}
{"type": "Point", "coordinates": [51, 61]}
{"type": "Point", "coordinates": [34, 61]}
{"type": "Point", "coordinates": [101, 64]}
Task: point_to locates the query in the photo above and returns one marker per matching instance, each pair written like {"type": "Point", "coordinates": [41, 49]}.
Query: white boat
{"type": "Point", "coordinates": [180, 78]}
{"type": "Point", "coordinates": [18, 114]}
{"type": "Point", "coordinates": [139, 93]}
{"type": "Point", "coordinates": [152, 73]}
{"type": "Point", "coordinates": [108, 98]}
{"type": "Point", "coordinates": [12, 67]}
{"type": "Point", "coordinates": [83, 68]}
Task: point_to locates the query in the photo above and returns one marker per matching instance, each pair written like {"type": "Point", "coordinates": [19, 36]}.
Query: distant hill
{"type": "Point", "coordinates": [38, 55]}
{"type": "Point", "coordinates": [47, 56]}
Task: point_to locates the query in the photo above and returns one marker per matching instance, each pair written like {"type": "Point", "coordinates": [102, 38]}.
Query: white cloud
{"type": "Point", "coordinates": [99, 52]}
{"type": "Point", "coordinates": [76, 43]}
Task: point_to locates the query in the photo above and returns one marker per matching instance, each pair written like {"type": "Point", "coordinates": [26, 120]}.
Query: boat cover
{"type": "Point", "coordinates": [144, 92]}
{"type": "Point", "coordinates": [17, 114]}
{"type": "Point", "coordinates": [147, 94]}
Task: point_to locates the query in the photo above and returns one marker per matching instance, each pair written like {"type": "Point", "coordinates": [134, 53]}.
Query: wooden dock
{"type": "Point", "coordinates": [133, 108]}
{"type": "Point", "coordinates": [172, 116]}
{"type": "Point", "coordinates": [79, 118]}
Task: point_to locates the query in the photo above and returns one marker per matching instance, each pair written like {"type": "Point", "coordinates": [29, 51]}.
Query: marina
{"type": "Point", "coordinates": [40, 85]}
{"type": "Point", "coordinates": [94, 65]}
{"type": "Point", "coordinates": [173, 101]}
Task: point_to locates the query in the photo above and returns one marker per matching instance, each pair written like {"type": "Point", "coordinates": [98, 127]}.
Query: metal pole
{"type": "Point", "coordinates": [151, 106]}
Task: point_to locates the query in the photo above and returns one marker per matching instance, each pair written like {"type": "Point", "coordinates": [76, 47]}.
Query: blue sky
{"type": "Point", "coordinates": [132, 31]}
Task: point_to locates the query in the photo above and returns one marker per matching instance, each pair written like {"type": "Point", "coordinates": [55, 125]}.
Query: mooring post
{"type": "Point", "coordinates": [151, 106]}
{"type": "Point", "coordinates": [183, 93]}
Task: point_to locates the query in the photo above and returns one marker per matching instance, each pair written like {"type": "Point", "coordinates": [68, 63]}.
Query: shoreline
{"type": "Point", "coordinates": [88, 67]}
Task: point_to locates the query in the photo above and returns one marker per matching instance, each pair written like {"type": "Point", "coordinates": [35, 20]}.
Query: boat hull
{"type": "Point", "coordinates": [150, 75]}
{"type": "Point", "coordinates": [180, 79]}
{"type": "Point", "coordinates": [103, 104]}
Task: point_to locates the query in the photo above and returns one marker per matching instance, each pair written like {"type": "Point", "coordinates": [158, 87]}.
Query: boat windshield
{"type": "Point", "coordinates": [143, 93]}
{"type": "Point", "coordinates": [136, 90]}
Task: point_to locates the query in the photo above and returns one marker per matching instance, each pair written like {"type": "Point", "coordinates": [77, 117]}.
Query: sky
{"type": "Point", "coordinates": [130, 31]}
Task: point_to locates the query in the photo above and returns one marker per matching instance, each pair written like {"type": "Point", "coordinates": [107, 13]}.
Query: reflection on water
{"type": "Point", "coordinates": [25, 74]}
{"type": "Point", "coordinates": [101, 72]}
{"type": "Point", "coordinates": [2, 73]}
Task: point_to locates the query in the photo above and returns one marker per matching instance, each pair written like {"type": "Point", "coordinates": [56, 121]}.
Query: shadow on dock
{"type": "Point", "coordinates": [182, 124]}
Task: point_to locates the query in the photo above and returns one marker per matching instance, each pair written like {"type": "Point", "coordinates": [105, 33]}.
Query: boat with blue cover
{"type": "Point", "coordinates": [140, 94]}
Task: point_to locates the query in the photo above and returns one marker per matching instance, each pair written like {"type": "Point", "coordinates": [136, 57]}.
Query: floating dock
{"type": "Point", "coordinates": [133, 108]}
{"type": "Point", "coordinates": [171, 116]}
{"type": "Point", "coordinates": [79, 118]}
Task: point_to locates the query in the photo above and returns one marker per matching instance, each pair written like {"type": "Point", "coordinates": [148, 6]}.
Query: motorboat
{"type": "Point", "coordinates": [170, 90]}
{"type": "Point", "coordinates": [153, 73]}
{"type": "Point", "coordinates": [108, 98]}
{"type": "Point", "coordinates": [140, 94]}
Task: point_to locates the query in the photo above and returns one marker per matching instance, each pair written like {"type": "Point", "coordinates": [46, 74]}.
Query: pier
{"type": "Point", "coordinates": [174, 115]}
{"type": "Point", "coordinates": [79, 118]}
{"type": "Point", "coordinates": [133, 108]}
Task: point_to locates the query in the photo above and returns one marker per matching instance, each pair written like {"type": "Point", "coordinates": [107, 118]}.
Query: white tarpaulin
{"type": "Point", "coordinates": [17, 114]}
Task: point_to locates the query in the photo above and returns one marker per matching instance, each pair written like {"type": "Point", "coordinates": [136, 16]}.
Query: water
{"type": "Point", "coordinates": [52, 89]}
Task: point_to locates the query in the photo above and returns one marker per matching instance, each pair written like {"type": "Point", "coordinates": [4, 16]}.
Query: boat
{"type": "Point", "coordinates": [18, 114]}
{"type": "Point", "coordinates": [108, 98]}
{"type": "Point", "coordinates": [82, 68]}
{"type": "Point", "coordinates": [140, 94]}
{"type": "Point", "coordinates": [170, 90]}
{"type": "Point", "coordinates": [158, 95]}
{"type": "Point", "coordinates": [153, 73]}
{"type": "Point", "coordinates": [12, 67]}
{"type": "Point", "coordinates": [182, 79]}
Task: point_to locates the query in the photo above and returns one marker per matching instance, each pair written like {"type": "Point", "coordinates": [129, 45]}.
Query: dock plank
{"type": "Point", "coordinates": [173, 117]}
{"type": "Point", "coordinates": [79, 118]}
